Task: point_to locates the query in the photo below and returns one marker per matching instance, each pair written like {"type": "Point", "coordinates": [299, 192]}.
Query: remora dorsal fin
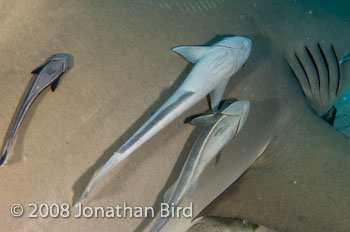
{"type": "Point", "coordinates": [216, 95]}
{"type": "Point", "coordinates": [170, 191]}
{"type": "Point", "coordinates": [191, 53]}
{"type": "Point", "coordinates": [204, 120]}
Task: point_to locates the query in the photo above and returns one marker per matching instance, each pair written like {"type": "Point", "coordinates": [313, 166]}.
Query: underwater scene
{"type": "Point", "coordinates": [175, 115]}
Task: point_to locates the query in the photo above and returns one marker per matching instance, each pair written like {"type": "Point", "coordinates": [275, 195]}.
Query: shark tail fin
{"type": "Point", "coordinates": [191, 53]}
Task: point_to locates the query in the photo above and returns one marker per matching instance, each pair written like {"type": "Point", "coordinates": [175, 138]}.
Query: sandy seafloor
{"type": "Point", "coordinates": [124, 70]}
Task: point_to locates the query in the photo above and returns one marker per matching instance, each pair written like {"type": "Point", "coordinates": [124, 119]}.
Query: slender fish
{"type": "Point", "coordinates": [219, 129]}
{"type": "Point", "coordinates": [48, 74]}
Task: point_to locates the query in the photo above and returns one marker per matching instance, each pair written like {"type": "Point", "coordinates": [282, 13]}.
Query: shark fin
{"type": "Point", "coordinates": [216, 95]}
{"type": "Point", "coordinates": [192, 53]}
{"type": "Point", "coordinates": [55, 84]}
{"type": "Point", "coordinates": [204, 120]}
{"type": "Point", "coordinates": [170, 191]}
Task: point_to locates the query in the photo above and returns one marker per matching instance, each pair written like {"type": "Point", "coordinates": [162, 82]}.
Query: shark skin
{"type": "Point", "coordinates": [214, 66]}
{"type": "Point", "coordinates": [47, 74]}
{"type": "Point", "coordinates": [219, 129]}
{"type": "Point", "coordinates": [281, 183]}
{"type": "Point", "coordinates": [277, 29]}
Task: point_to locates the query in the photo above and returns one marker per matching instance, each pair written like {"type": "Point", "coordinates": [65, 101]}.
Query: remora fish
{"type": "Point", "coordinates": [218, 130]}
{"type": "Point", "coordinates": [48, 74]}
{"type": "Point", "coordinates": [214, 66]}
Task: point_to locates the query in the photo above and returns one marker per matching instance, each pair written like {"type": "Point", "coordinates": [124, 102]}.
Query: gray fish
{"type": "Point", "coordinates": [219, 129]}
{"type": "Point", "coordinates": [48, 74]}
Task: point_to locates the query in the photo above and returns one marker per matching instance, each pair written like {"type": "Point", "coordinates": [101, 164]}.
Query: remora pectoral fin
{"type": "Point", "coordinates": [216, 95]}
{"type": "Point", "coordinates": [191, 53]}
{"type": "Point", "coordinates": [55, 84]}
{"type": "Point", "coordinates": [204, 120]}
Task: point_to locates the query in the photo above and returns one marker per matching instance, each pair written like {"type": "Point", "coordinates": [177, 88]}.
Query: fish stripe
{"type": "Point", "coordinates": [155, 120]}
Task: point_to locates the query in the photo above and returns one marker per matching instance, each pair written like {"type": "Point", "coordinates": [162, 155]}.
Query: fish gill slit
{"type": "Point", "coordinates": [327, 67]}
{"type": "Point", "coordinates": [314, 63]}
{"type": "Point", "coordinates": [291, 69]}
{"type": "Point", "coordinates": [302, 66]}
{"type": "Point", "coordinates": [338, 69]}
